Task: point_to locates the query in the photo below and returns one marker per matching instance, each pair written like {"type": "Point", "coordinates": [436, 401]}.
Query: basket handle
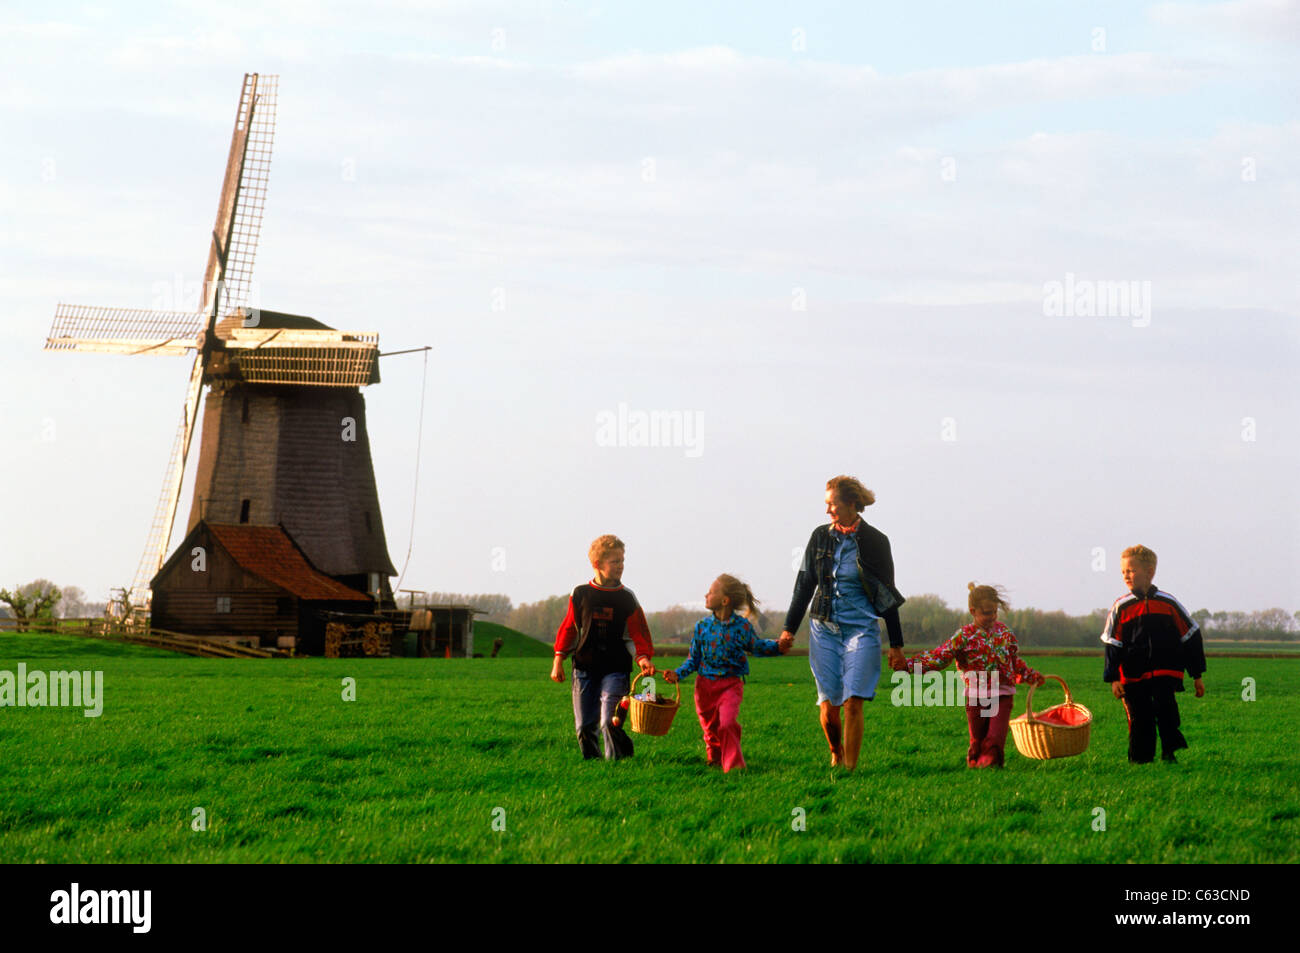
{"type": "Point", "coordinates": [631, 689]}
{"type": "Point", "coordinates": [1029, 702]}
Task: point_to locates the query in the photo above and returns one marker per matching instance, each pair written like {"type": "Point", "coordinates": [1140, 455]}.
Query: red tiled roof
{"type": "Point", "coordinates": [268, 552]}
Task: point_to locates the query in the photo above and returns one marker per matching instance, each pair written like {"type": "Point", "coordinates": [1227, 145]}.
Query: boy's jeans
{"type": "Point", "coordinates": [595, 702]}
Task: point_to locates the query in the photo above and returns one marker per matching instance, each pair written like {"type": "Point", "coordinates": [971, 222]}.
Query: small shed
{"type": "Point", "coordinates": [251, 584]}
{"type": "Point", "coordinates": [443, 631]}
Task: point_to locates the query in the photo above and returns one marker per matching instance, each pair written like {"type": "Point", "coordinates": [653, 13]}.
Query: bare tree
{"type": "Point", "coordinates": [31, 602]}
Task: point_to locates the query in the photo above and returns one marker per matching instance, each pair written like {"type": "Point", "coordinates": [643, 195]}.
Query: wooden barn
{"type": "Point", "coordinates": [249, 583]}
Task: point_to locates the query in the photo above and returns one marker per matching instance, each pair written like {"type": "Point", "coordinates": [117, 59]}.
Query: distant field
{"type": "Point", "coordinates": [433, 753]}
{"type": "Point", "coordinates": [1227, 647]}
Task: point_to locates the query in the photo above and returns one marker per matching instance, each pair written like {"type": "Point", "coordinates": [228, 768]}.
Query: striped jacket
{"type": "Point", "coordinates": [1151, 636]}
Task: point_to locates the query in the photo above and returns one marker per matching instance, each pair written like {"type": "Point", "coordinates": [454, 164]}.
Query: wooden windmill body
{"type": "Point", "coordinates": [284, 437]}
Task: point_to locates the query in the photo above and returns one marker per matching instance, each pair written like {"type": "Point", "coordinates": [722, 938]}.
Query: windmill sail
{"type": "Point", "coordinates": [160, 530]}
{"type": "Point", "coordinates": [123, 330]}
{"type": "Point", "coordinates": [228, 276]}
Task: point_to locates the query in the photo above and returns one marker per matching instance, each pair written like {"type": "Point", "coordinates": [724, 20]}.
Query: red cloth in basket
{"type": "Point", "coordinates": [1062, 715]}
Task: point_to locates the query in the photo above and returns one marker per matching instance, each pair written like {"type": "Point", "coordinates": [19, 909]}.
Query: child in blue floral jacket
{"type": "Point", "coordinates": [718, 652]}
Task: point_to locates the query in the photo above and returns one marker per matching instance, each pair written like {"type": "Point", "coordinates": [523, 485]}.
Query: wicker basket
{"type": "Point", "coordinates": [651, 718]}
{"type": "Point", "coordinates": [1059, 732]}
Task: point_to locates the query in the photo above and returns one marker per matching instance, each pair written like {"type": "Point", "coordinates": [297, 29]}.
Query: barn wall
{"type": "Point", "coordinates": [262, 615]}
{"type": "Point", "coordinates": [186, 601]}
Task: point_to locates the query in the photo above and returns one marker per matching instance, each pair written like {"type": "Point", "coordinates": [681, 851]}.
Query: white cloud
{"type": "Point", "coordinates": [1271, 21]}
{"type": "Point", "coordinates": [161, 51]}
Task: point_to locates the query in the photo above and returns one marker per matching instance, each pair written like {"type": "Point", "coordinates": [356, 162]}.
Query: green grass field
{"type": "Point", "coordinates": [434, 757]}
{"type": "Point", "coordinates": [513, 644]}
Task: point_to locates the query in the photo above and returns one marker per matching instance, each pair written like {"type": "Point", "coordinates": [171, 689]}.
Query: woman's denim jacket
{"type": "Point", "coordinates": [816, 579]}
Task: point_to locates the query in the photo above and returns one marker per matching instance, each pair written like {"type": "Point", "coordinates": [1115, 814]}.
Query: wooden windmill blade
{"type": "Point", "coordinates": [160, 529]}
{"type": "Point", "coordinates": [123, 330]}
{"type": "Point", "coordinates": [228, 275]}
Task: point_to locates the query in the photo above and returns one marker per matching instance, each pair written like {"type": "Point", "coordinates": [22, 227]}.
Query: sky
{"type": "Point", "coordinates": [1026, 269]}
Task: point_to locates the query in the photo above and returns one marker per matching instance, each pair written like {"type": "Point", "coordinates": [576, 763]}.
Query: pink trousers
{"type": "Point", "coordinates": [717, 702]}
{"type": "Point", "coordinates": [988, 733]}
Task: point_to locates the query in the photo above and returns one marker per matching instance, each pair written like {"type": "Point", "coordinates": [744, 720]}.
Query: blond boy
{"type": "Point", "coordinates": [1150, 640]}
{"type": "Point", "coordinates": [603, 631]}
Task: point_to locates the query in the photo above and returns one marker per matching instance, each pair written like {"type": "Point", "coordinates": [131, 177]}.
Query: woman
{"type": "Point", "coordinates": [848, 575]}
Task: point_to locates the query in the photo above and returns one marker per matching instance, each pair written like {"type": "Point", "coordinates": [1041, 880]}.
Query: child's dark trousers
{"type": "Point", "coordinates": [595, 702]}
{"type": "Point", "coordinates": [1152, 709]}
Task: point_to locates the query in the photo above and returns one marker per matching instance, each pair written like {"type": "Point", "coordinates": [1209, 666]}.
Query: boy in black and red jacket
{"type": "Point", "coordinates": [1150, 639]}
{"type": "Point", "coordinates": [604, 631]}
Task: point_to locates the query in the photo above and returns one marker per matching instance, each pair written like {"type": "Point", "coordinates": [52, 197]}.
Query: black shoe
{"type": "Point", "coordinates": [1169, 758]}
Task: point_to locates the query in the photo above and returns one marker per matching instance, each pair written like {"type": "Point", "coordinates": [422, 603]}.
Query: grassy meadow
{"type": "Point", "coordinates": [475, 761]}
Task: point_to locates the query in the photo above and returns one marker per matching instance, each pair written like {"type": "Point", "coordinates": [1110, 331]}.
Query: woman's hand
{"type": "Point", "coordinates": [1199, 686]}
{"type": "Point", "coordinates": [557, 670]}
{"type": "Point", "coordinates": [1117, 689]}
{"type": "Point", "coordinates": [647, 667]}
{"type": "Point", "coordinates": [785, 643]}
{"type": "Point", "coordinates": [896, 660]}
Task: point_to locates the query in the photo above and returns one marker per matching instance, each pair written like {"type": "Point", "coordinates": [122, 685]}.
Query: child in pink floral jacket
{"type": "Point", "coordinates": [988, 656]}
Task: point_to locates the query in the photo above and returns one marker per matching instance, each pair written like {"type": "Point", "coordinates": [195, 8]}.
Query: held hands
{"type": "Point", "coordinates": [785, 643]}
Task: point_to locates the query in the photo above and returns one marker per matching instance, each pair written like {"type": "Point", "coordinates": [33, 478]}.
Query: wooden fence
{"type": "Point", "coordinates": [141, 634]}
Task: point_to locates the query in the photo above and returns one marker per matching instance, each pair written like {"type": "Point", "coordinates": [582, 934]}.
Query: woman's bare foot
{"type": "Point", "coordinates": [837, 758]}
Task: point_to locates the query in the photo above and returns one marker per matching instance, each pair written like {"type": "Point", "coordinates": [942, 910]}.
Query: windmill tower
{"type": "Point", "coordinates": [284, 428]}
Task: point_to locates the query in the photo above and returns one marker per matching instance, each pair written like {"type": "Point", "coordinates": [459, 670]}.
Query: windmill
{"type": "Point", "coordinates": [305, 461]}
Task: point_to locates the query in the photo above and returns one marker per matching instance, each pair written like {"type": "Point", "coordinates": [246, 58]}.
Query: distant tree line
{"type": "Point", "coordinates": [496, 605]}
{"type": "Point", "coordinates": [41, 599]}
{"type": "Point", "coordinates": [928, 620]}
{"type": "Point", "coordinates": [540, 619]}
{"type": "Point", "coordinates": [1267, 625]}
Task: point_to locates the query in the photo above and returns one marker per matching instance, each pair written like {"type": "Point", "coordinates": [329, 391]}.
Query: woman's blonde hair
{"type": "Point", "coordinates": [991, 596]}
{"type": "Point", "coordinates": [602, 546]}
{"type": "Point", "coordinates": [851, 491]}
{"type": "Point", "coordinates": [740, 596]}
